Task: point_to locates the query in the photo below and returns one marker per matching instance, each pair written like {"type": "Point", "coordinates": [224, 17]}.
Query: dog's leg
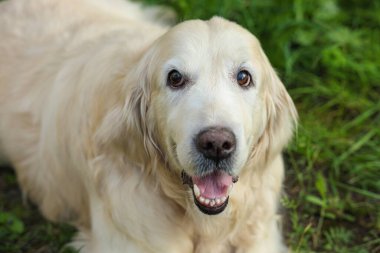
{"type": "Point", "coordinates": [130, 214]}
{"type": "Point", "coordinates": [270, 241]}
{"type": "Point", "coordinates": [265, 233]}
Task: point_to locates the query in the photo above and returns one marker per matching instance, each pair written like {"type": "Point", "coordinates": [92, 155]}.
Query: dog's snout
{"type": "Point", "coordinates": [216, 143]}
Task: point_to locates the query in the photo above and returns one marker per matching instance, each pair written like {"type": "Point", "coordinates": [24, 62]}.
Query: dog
{"type": "Point", "coordinates": [146, 137]}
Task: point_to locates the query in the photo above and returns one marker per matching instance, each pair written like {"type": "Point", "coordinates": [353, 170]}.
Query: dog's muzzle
{"type": "Point", "coordinates": [212, 181]}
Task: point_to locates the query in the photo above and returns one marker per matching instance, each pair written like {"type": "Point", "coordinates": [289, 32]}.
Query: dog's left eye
{"type": "Point", "coordinates": [244, 78]}
{"type": "Point", "coordinates": [176, 79]}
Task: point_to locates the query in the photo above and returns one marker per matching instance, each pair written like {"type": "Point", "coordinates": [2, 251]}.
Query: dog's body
{"type": "Point", "coordinates": [99, 112]}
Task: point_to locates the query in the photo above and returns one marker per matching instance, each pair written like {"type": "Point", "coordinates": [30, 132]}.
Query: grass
{"type": "Point", "coordinates": [327, 53]}
{"type": "Point", "coordinates": [22, 228]}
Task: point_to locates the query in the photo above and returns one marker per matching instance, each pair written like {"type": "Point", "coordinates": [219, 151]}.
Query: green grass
{"type": "Point", "coordinates": [327, 52]}
{"type": "Point", "coordinates": [22, 228]}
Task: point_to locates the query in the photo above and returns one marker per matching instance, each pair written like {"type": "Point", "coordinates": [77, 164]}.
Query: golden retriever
{"type": "Point", "coordinates": [147, 138]}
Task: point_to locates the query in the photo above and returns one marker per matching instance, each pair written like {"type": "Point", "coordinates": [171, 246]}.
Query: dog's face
{"type": "Point", "coordinates": [211, 103]}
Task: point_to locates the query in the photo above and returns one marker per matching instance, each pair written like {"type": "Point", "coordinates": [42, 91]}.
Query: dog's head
{"type": "Point", "coordinates": [208, 101]}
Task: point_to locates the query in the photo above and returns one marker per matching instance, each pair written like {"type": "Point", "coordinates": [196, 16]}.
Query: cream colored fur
{"type": "Point", "coordinates": [87, 121]}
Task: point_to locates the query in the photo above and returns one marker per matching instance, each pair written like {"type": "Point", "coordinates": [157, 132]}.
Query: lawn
{"type": "Point", "coordinates": [327, 52]}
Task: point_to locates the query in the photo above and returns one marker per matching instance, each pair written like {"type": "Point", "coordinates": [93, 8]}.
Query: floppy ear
{"type": "Point", "coordinates": [281, 116]}
{"type": "Point", "coordinates": [128, 127]}
{"type": "Point", "coordinates": [139, 122]}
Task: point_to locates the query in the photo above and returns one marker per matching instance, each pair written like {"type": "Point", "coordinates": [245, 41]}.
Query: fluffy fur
{"type": "Point", "coordinates": [99, 139]}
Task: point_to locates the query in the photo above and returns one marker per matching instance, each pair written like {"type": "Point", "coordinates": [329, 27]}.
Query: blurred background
{"type": "Point", "coordinates": [327, 52]}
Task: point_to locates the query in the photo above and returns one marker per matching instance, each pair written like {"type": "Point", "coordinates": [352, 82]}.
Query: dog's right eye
{"type": "Point", "coordinates": [176, 79]}
{"type": "Point", "coordinates": [244, 78]}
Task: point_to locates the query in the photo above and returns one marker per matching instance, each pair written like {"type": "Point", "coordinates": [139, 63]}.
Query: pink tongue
{"type": "Point", "coordinates": [214, 185]}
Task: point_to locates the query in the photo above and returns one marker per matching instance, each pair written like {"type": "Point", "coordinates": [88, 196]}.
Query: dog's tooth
{"type": "Point", "coordinates": [223, 199]}
{"type": "Point", "coordinates": [212, 203]}
{"type": "Point", "coordinates": [197, 192]}
{"type": "Point", "coordinates": [201, 199]}
{"type": "Point", "coordinates": [218, 201]}
{"type": "Point", "coordinates": [207, 201]}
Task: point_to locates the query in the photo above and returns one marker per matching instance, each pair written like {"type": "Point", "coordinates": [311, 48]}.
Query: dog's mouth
{"type": "Point", "coordinates": [211, 192]}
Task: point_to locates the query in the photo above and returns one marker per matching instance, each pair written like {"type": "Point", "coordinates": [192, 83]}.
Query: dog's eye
{"type": "Point", "coordinates": [175, 79]}
{"type": "Point", "coordinates": [243, 78]}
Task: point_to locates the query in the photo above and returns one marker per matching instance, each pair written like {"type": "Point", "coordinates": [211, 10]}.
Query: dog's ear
{"type": "Point", "coordinates": [281, 116]}
{"type": "Point", "coordinates": [137, 117]}
{"type": "Point", "coordinates": [139, 121]}
{"type": "Point", "coordinates": [128, 127]}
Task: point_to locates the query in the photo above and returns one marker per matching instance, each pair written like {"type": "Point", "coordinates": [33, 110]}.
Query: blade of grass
{"type": "Point", "coordinates": [363, 192]}
{"type": "Point", "coordinates": [356, 146]}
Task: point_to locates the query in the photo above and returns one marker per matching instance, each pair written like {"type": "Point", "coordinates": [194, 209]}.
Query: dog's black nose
{"type": "Point", "coordinates": [216, 143]}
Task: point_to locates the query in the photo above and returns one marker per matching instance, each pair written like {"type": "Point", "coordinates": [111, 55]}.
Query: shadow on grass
{"type": "Point", "coordinates": [22, 228]}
